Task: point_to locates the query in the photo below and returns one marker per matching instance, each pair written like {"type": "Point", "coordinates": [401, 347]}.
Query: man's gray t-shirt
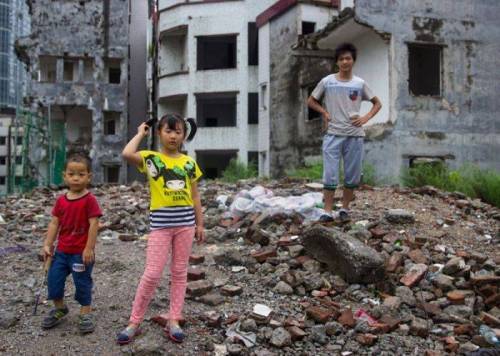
{"type": "Point", "coordinates": [342, 99]}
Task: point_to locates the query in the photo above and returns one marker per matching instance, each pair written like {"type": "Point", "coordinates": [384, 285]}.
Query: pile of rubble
{"type": "Point", "coordinates": [414, 271]}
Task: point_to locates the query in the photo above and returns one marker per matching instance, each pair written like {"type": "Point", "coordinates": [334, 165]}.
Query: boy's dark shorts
{"type": "Point", "coordinates": [61, 267]}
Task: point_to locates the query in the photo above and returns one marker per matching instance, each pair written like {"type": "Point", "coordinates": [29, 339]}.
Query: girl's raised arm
{"type": "Point", "coordinates": [130, 152]}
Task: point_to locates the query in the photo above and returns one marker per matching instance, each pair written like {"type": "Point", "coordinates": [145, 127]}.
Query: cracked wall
{"type": "Point", "coordinates": [82, 32]}
{"type": "Point", "coordinates": [462, 123]}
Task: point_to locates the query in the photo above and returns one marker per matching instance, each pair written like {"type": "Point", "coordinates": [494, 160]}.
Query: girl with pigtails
{"type": "Point", "coordinates": [175, 218]}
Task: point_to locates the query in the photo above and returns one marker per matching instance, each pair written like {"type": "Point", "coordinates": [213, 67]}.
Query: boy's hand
{"type": "Point", "coordinates": [88, 256]}
{"type": "Point", "coordinates": [199, 234]}
{"type": "Point", "coordinates": [48, 251]}
{"type": "Point", "coordinates": [360, 121]}
{"type": "Point", "coordinates": [326, 120]}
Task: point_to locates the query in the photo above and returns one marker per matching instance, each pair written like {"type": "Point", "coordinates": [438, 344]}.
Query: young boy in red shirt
{"type": "Point", "coordinates": [74, 223]}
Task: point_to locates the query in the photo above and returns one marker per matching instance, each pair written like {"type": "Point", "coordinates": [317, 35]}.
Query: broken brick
{"type": "Point", "coordinates": [451, 344]}
{"type": "Point", "coordinates": [231, 290]}
{"type": "Point", "coordinates": [418, 256]}
{"type": "Point", "coordinates": [394, 262]}
{"type": "Point", "coordinates": [390, 321]}
{"type": "Point", "coordinates": [464, 329]}
{"type": "Point", "coordinates": [195, 274]}
{"type": "Point", "coordinates": [456, 296]}
{"type": "Point", "coordinates": [377, 232]}
{"type": "Point", "coordinates": [262, 255]}
{"type": "Point", "coordinates": [199, 288]}
{"type": "Point", "coordinates": [296, 333]}
{"type": "Point", "coordinates": [346, 318]}
{"type": "Point", "coordinates": [490, 320]}
{"type": "Point", "coordinates": [319, 314]}
{"type": "Point", "coordinates": [493, 300]}
{"type": "Point", "coordinates": [366, 339]}
{"type": "Point", "coordinates": [196, 259]}
{"type": "Point", "coordinates": [414, 275]}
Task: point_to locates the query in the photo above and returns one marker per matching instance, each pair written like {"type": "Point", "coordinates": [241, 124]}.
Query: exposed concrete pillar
{"type": "Point", "coordinates": [59, 70]}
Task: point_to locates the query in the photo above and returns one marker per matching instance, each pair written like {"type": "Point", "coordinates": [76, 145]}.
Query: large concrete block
{"type": "Point", "coordinates": [345, 255]}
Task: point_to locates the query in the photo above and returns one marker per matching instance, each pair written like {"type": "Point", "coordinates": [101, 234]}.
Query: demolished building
{"type": "Point", "coordinates": [434, 66]}
{"type": "Point", "coordinates": [78, 55]}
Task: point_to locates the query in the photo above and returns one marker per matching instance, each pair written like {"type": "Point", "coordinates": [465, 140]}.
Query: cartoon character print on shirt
{"type": "Point", "coordinates": [173, 179]}
{"type": "Point", "coordinates": [353, 94]}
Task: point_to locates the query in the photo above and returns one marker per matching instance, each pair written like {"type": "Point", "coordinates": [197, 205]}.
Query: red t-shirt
{"type": "Point", "coordinates": [74, 224]}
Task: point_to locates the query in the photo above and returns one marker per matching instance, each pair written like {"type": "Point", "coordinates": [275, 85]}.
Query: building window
{"type": "Point", "coordinates": [308, 27]}
{"type": "Point", "coordinates": [19, 140]}
{"type": "Point", "coordinates": [253, 108]}
{"type": "Point", "coordinates": [311, 114]}
{"type": "Point", "coordinates": [253, 44]}
{"type": "Point", "coordinates": [262, 96]}
{"type": "Point", "coordinates": [3, 160]}
{"type": "Point", "coordinates": [70, 70]}
{"type": "Point", "coordinates": [112, 174]}
{"type": "Point", "coordinates": [111, 122]}
{"type": "Point", "coordinates": [47, 73]}
{"type": "Point", "coordinates": [216, 110]}
{"type": "Point", "coordinates": [216, 52]}
{"type": "Point", "coordinates": [424, 63]}
{"type": "Point", "coordinates": [19, 160]}
{"type": "Point", "coordinates": [2, 140]}
{"type": "Point", "coordinates": [2, 180]}
{"type": "Point", "coordinates": [113, 68]}
{"type": "Point", "coordinates": [253, 158]}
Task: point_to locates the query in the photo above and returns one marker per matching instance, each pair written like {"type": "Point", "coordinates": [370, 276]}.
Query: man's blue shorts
{"type": "Point", "coordinates": [61, 267]}
{"type": "Point", "coordinates": [350, 149]}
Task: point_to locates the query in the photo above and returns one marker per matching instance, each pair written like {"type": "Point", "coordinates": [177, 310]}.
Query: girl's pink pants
{"type": "Point", "coordinates": [176, 241]}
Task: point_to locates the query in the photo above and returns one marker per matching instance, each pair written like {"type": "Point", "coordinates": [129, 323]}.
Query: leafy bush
{"type": "Point", "coordinates": [468, 179]}
{"type": "Point", "coordinates": [237, 170]}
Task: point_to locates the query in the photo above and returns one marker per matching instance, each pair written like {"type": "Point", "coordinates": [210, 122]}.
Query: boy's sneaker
{"type": "Point", "coordinates": [55, 317]}
{"type": "Point", "coordinates": [86, 323]}
{"type": "Point", "coordinates": [343, 215]}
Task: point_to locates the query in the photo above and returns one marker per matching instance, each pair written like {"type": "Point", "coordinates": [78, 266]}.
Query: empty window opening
{"type": "Point", "coordinates": [113, 67]}
{"type": "Point", "coordinates": [173, 56]}
{"type": "Point", "coordinates": [262, 96]}
{"type": "Point", "coordinates": [253, 108]}
{"type": "Point", "coordinates": [424, 69]}
{"type": "Point", "coordinates": [2, 140]}
{"type": "Point", "coordinates": [216, 52]}
{"type": "Point", "coordinates": [253, 159]}
{"type": "Point", "coordinates": [48, 71]}
{"type": "Point", "coordinates": [88, 70]}
{"type": "Point", "coordinates": [3, 161]}
{"type": "Point", "coordinates": [311, 114]}
{"type": "Point", "coordinates": [111, 122]}
{"type": "Point", "coordinates": [111, 174]}
{"type": "Point", "coordinates": [216, 110]}
{"type": "Point", "coordinates": [2, 180]}
{"type": "Point", "coordinates": [308, 27]}
{"type": "Point", "coordinates": [213, 163]}
{"type": "Point", "coordinates": [70, 73]}
{"type": "Point", "coordinates": [19, 140]}
{"type": "Point", "coordinates": [253, 44]}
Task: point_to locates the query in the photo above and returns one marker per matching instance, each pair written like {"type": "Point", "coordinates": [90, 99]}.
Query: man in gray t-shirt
{"type": "Point", "coordinates": [342, 94]}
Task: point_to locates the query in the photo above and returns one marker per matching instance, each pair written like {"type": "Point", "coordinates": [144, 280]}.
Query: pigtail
{"type": "Point", "coordinates": [191, 123]}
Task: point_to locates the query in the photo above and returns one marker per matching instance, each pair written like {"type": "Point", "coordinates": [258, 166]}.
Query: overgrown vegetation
{"type": "Point", "coordinates": [468, 179]}
{"type": "Point", "coordinates": [315, 172]}
{"type": "Point", "coordinates": [237, 170]}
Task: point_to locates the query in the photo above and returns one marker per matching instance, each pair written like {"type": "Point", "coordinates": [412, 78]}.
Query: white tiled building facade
{"type": "Point", "coordinates": [214, 66]}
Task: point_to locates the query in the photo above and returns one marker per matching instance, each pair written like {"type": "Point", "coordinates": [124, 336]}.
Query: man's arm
{"type": "Point", "coordinates": [88, 255]}
{"type": "Point", "coordinates": [377, 105]}
{"type": "Point", "coordinates": [315, 105]}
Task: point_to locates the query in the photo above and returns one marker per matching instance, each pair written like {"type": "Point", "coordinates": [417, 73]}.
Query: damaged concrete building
{"type": "Point", "coordinates": [214, 65]}
{"type": "Point", "coordinates": [433, 64]}
{"type": "Point", "coordinates": [78, 55]}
